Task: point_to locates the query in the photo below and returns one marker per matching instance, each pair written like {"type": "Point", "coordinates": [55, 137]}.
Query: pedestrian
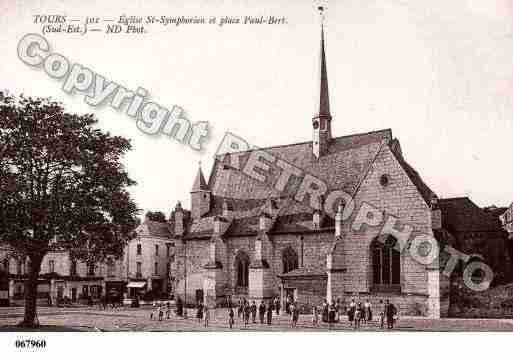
{"type": "Point", "coordinates": [325, 311]}
{"type": "Point", "coordinates": [168, 310]}
{"type": "Point", "coordinates": [390, 312]}
{"type": "Point", "coordinates": [277, 305]}
{"type": "Point", "coordinates": [332, 312]}
{"type": "Point", "coordinates": [291, 310]}
{"type": "Point", "coordinates": [351, 311]}
{"type": "Point", "coordinates": [240, 308]}
{"type": "Point", "coordinates": [199, 312]}
{"type": "Point", "coordinates": [381, 309]}
{"type": "Point", "coordinates": [295, 314]}
{"type": "Point", "coordinates": [338, 310]}
{"type": "Point", "coordinates": [368, 310]}
{"type": "Point", "coordinates": [179, 307]}
{"type": "Point", "coordinates": [231, 314]}
{"type": "Point", "coordinates": [247, 313]}
{"type": "Point", "coordinates": [161, 313]}
{"type": "Point", "coordinates": [253, 311]}
{"type": "Point", "coordinates": [269, 313]}
{"type": "Point", "coordinates": [206, 315]}
{"type": "Point", "coordinates": [315, 316]}
{"type": "Point", "coordinates": [153, 313]}
{"type": "Point", "coordinates": [261, 312]}
{"type": "Point", "coordinates": [358, 315]}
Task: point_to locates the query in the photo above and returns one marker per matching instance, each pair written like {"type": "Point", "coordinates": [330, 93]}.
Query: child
{"type": "Point", "coordinates": [153, 311]}
{"type": "Point", "coordinates": [315, 316]}
{"type": "Point", "coordinates": [357, 316]}
{"type": "Point", "coordinates": [161, 313]}
{"type": "Point", "coordinates": [206, 315]}
{"type": "Point", "coordinates": [230, 315]}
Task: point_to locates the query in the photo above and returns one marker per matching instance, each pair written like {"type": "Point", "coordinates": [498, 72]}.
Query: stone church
{"type": "Point", "coordinates": [242, 238]}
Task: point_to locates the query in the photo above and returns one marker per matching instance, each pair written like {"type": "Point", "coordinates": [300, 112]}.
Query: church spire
{"type": "Point", "coordinates": [200, 196]}
{"type": "Point", "coordinates": [321, 122]}
{"type": "Point", "coordinates": [199, 184]}
{"type": "Point", "coordinates": [324, 100]}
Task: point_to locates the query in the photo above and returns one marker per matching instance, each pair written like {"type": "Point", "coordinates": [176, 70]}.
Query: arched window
{"type": "Point", "coordinates": [290, 260]}
{"type": "Point", "coordinates": [242, 269]}
{"type": "Point", "coordinates": [386, 264]}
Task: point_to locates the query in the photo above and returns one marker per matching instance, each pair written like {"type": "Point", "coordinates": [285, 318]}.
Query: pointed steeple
{"type": "Point", "coordinates": [199, 183]}
{"type": "Point", "coordinates": [324, 98]}
{"type": "Point", "coordinates": [321, 122]}
{"type": "Point", "coordinates": [200, 196]}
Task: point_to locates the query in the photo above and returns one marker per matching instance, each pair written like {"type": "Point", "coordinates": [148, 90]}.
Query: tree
{"type": "Point", "coordinates": [156, 216]}
{"type": "Point", "coordinates": [62, 186]}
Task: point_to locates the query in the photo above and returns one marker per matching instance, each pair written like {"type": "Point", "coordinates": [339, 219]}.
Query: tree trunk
{"type": "Point", "coordinates": [30, 317]}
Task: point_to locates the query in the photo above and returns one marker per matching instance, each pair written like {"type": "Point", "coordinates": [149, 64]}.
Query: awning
{"type": "Point", "coordinates": [136, 284]}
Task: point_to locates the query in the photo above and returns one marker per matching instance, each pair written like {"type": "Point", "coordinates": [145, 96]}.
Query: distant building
{"type": "Point", "coordinates": [62, 279]}
{"type": "Point", "coordinates": [149, 258]}
{"type": "Point", "coordinates": [478, 232]}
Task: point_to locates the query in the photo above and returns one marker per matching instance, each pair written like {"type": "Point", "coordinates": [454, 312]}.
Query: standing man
{"type": "Point", "coordinates": [231, 314]}
{"type": "Point", "coordinates": [390, 312]}
{"type": "Point", "coordinates": [253, 311]}
{"type": "Point", "coordinates": [206, 315]}
{"type": "Point", "coordinates": [261, 312]}
{"type": "Point", "coordinates": [269, 313]}
{"type": "Point", "coordinates": [247, 312]}
{"type": "Point", "coordinates": [277, 305]}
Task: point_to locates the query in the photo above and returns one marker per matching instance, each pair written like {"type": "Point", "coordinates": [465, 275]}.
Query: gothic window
{"type": "Point", "coordinates": [242, 269]}
{"type": "Point", "coordinates": [290, 260]}
{"type": "Point", "coordinates": [386, 264]}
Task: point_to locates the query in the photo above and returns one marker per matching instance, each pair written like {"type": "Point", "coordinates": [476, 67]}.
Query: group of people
{"type": "Point", "coordinates": [159, 310]}
{"type": "Point", "coordinates": [248, 311]}
{"type": "Point", "coordinates": [358, 313]}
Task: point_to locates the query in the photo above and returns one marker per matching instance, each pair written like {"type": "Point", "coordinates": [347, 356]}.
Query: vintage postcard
{"type": "Point", "coordinates": [246, 166]}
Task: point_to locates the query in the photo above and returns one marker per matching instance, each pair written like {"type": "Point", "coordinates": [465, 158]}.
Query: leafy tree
{"type": "Point", "coordinates": [156, 216]}
{"type": "Point", "coordinates": [62, 186]}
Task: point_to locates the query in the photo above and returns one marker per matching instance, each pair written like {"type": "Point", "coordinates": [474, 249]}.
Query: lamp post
{"type": "Point", "coordinates": [185, 277]}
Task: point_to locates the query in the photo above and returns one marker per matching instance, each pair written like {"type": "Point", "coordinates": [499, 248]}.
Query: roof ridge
{"type": "Point", "coordinates": [305, 142]}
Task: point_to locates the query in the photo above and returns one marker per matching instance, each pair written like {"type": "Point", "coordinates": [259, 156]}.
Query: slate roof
{"type": "Point", "coordinates": [157, 228]}
{"type": "Point", "coordinates": [344, 166]}
{"type": "Point", "coordinates": [199, 184]}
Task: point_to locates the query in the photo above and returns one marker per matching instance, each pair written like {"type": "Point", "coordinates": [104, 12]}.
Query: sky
{"type": "Point", "coordinates": [438, 73]}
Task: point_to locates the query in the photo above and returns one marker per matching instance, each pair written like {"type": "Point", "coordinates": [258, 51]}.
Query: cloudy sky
{"type": "Point", "coordinates": [438, 73]}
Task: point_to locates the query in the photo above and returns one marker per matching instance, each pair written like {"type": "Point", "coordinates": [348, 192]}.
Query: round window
{"type": "Point", "coordinates": [383, 180]}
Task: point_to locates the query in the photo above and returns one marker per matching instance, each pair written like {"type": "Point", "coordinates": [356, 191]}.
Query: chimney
{"type": "Point", "coordinates": [264, 222]}
{"type": "Point", "coordinates": [436, 213]}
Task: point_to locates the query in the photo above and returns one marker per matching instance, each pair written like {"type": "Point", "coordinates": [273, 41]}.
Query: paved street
{"type": "Point", "coordinates": [128, 319]}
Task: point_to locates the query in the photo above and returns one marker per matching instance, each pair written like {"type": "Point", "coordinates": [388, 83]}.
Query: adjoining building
{"type": "Point", "coordinates": [62, 279]}
{"type": "Point", "coordinates": [149, 258]}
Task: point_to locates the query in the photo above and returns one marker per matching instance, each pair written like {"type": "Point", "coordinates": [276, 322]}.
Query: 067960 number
{"type": "Point", "coordinates": [30, 344]}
